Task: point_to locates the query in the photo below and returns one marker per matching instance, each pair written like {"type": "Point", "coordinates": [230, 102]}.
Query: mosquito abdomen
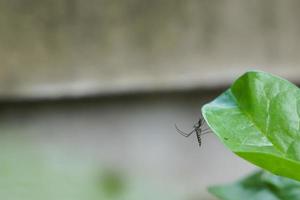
{"type": "Point", "coordinates": [198, 138]}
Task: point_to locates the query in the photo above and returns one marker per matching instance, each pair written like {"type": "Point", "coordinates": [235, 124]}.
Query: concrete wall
{"type": "Point", "coordinates": [53, 48]}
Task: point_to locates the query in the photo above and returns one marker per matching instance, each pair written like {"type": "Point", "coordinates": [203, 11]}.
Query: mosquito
{"type": "Point", "coordinates": [198, 129]}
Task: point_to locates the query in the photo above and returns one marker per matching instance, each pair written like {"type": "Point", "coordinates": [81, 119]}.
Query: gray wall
{"type": "Point", "coordinates": [55, 48]}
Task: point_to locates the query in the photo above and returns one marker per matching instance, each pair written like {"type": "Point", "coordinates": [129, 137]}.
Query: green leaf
{"type": "Point", "coordinates": [259, 186]}
{"type": "Point", "coordinates": [258, 119]}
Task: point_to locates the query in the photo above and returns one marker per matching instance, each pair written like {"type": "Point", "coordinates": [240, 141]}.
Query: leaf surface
{"type": "Point", "coordinates": [258, 118]}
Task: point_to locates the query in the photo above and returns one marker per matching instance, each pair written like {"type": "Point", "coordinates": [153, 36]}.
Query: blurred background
{"type": "Point", "coordinates": [90, 92]}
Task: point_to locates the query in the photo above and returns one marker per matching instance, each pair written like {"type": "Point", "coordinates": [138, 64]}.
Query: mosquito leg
{"type": "Point", "coordinates": [183, 133]}
{"type": "Point", "coordinates": [205, 132]}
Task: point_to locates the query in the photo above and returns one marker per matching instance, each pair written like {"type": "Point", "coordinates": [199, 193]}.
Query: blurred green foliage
{"type": "Point", "coordinates": [112, 183]}
{"type": "Point", "coordinates": [29, 172]}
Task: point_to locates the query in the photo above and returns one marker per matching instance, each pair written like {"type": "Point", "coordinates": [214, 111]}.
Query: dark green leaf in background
{"type": "Point", "coordinates": [259, 186]}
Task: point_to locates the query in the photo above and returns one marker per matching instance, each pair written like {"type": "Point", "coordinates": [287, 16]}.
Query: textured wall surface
{"type": "Point", "coordinates": [55, 48]}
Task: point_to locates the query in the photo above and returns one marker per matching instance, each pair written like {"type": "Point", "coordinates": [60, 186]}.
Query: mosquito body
{"type": "Point", "coordinates": [198, 129]}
